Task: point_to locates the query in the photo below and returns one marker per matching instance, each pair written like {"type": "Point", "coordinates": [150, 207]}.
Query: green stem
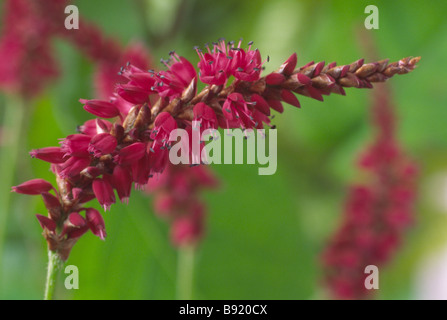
{"type": "Point", "coordinates": [12, 127]}
{"type": "Point", "coordinates": [185, 272]}
{"type": "Point", "coordinates": [55, 263]}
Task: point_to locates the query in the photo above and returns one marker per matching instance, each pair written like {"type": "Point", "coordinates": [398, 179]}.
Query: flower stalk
{"type": "Point", "coordinates": [55, 264]}
{"type": "Point", "coordinates": [185, 272]}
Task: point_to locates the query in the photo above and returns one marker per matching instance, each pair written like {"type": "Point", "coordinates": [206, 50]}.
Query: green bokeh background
{"type": "Point", "coordinates": [264, 233]}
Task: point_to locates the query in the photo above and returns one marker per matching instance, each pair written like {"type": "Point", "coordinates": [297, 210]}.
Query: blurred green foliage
{"type": "Point", "coordinates": [264, 233]}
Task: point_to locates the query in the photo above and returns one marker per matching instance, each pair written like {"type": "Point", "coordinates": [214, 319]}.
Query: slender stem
{"type": "Point", "coordinates": [185, 272]}
{"type": "Point", "coordinates": [55, 263]}
{"type": "Point", "coordinates": [12, 128]}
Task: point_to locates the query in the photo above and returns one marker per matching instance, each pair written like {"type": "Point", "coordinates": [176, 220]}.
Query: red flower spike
{"type": "Point", "coordinates": [95, 222]}
{"type": "Point", "coordinates": [100, 108]}
{"type": "Point", "coordinates": [104, 193]}
{"type": "Point", "coordinates": [33, 187]}
{"type": "Point", "coordinates": [46, 223]}
{"type": "Point", "coordinates": [27, 59]}
{"type": "Point", "coordinates": [49, 154]}
{"type": "Point", "coordinates": [173, 94]}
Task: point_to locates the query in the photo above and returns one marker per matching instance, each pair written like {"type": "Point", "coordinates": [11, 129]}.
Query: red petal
{"type": "Point", "coordinates": [100, 108]}
{"type": "Point", "coordinates": [276, 105]}
{"type": "Point", "coordinates": [290, 98]}
{"type": "Point", "coordinates": [122, 181]}
{"type": "Point", "coordinates": [274, 79]}
{"type": "Point", "coordinates": [76, 219]}
{"type": "Point", "coordinates": [165, 121]}
{"type": "Point", "coordinates": [33, 187]}
{"type": "Point", "coordinates": [50, 154]}
{"type": "Point", "coordinates": [95, 222]}
{"type": "Point", "coordinates": [131, 154]}
{"type": "Point", "coordinates": [318, 68]}
{"type": "Point", "coordinates": [288, 67]}
{"type": "Point", "coordinates": [303, 79]}
{"type": "Point", "coordinates": [314, 93]}
{"type": "Point", "coordinates": [261, 104]}
{"type": "Point", "coordinates": [46, 223]}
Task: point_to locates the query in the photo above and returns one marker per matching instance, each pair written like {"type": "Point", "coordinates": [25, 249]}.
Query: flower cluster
{"type": "Point", "coordinates": [377, 212]}
{"type": "Point", "coordinates": [110, 156]}
{"type": "Point", "coordinates": [176, 199]}
{"type": "Point", "coordinates": [64, 224]}
{"type": "Point", "coordinates": [27, 61]}
{"type": "Point", "coordinates": [26, 58]}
